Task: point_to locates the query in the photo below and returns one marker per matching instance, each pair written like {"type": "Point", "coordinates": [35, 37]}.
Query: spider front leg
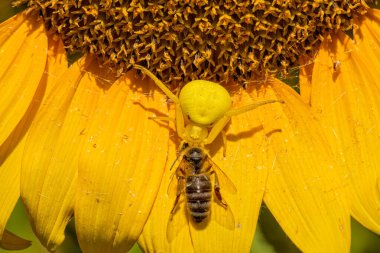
{"type": "Point", "coordinates": [162, 118]}
{"type": "Point", "coordinates": [216, 129]}
{"type": "Point", "coordinates": [179, 120]}
{"type": "Point", "coordinates": [221, 123]}
{"type": "Point", "coordinates": [246, 108]}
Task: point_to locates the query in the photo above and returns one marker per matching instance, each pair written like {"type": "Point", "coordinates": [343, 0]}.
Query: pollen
{"type": "Point", "coordinates": [185, 40]}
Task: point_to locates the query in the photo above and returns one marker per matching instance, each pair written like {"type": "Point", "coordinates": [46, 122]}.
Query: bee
{"type": "Point", "coordinates": [194, 178]}
{"type": "Point", "coordinates": [202, 110]}
{"type": "Point", "coordinates": [192, 181]}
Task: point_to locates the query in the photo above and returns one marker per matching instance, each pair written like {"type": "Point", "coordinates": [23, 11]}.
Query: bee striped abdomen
{"type": "Point", "coordinates": [198, 193]}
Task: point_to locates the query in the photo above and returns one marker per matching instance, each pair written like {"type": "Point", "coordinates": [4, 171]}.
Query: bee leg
{"type": "Point", "coordinates": [183, 145]}
{"type": "Point", "coordinates": [217, 192]}
{"type": "Point", "coordinates": [180, 188]}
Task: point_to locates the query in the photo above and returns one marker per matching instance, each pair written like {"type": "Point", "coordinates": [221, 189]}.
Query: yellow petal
{"type": "Point", "coordinates": [10, 182]}
{"type": "Point", "coordinates": [304, 189]}
{"type": "Point", "coordinates": [121, 166]}
{"type": "Point", "coordinates": [9, 26]}
{"type": "Point", "coordinates": [153, 237]}
{"type": "Point", "coordinates": [10, 157]}
{"type": "Point", "coordinates": [11, 241]}
{"type": "Point", "coordinates": [246, 164]}
{"type": "Point", "coordinates": [12, 148]}
{"type": "Point", "coordinates": [346, 98]}
{"type": "Point", "coordinates": [57, 63]}
{"type": "Point", "coordinates": [49, 171]}
{"type": "Point", "coordinates": [23, 58]}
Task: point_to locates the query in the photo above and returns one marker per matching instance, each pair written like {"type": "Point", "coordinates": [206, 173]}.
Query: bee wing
{"type": "Point", "coordinates": [223, 215]}
{"type": "Point", "coordinates": [177, 220]}
{"type": "Point", "coordinates": [173, 184]}
{"type": "Point", "coordinates": [224, 180]}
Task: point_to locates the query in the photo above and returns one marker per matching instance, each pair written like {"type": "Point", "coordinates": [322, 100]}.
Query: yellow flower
{"type": "Point", "coordinates": [344, 97]}
{"type": "Point", "coordinates": [76, 141]}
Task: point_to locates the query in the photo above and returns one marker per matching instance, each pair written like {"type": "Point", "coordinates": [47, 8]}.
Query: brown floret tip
{"type": "Point", "coordinates": [186, 40]}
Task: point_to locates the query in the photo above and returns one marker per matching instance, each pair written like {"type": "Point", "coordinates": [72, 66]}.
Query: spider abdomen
{"type": "Point", "coordinates": [204, 102]}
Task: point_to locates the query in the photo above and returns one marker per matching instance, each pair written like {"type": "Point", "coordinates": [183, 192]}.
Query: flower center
{"type": "Point", "coordinates": [197, 39]}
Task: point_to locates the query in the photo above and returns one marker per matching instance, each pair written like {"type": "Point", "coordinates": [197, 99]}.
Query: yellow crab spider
{"type": "Point", "coordinates": [206, 105]}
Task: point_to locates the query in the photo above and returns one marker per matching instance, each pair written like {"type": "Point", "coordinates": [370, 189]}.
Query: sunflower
{"type": "Point", "coordinates": [76, 141]}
